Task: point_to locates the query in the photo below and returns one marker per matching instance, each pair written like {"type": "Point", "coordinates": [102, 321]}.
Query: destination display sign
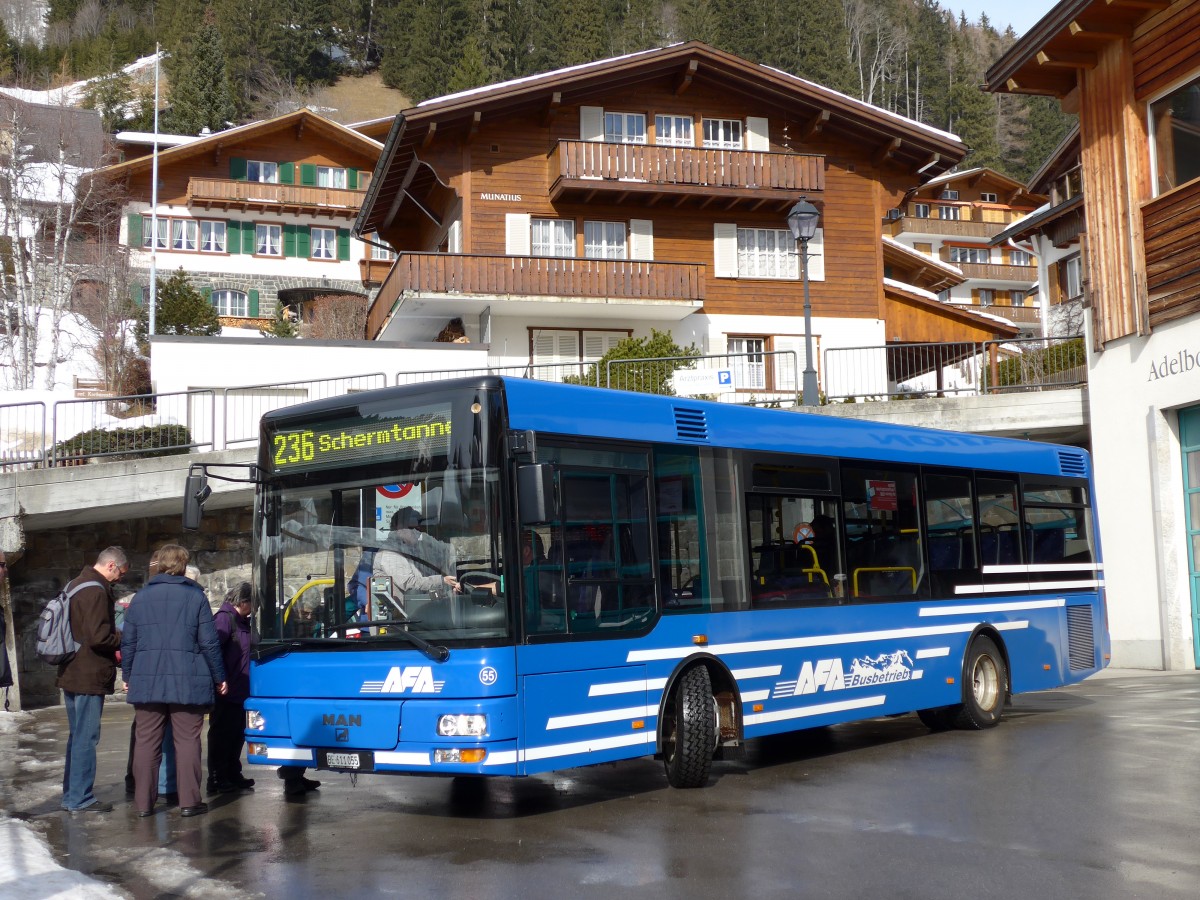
{"type": "Point", "coordinates": [424, 433]}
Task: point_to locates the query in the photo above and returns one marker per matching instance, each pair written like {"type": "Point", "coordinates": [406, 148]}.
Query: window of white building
{"type": "Point", "coordinates": [324, 243]}
{"type": "Point", "coordinates": [268, 240]}
{"type": "Point", "coordinates": [231, 303]}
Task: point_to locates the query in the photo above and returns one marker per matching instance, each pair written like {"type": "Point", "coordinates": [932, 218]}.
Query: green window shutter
{"type": "Point", "coordinates": [304, 242]}
{"type": "Point", "coordinates": [237, 168]}
{"type": "Point", "coordinates": [233, 236]}
{"type": "Point", "coordinates": [343, 244]}
{"type": "Point", "coordinates": [289, 240]}
{"type": "Point", "coordinates": [308, 174]}
{"type": "Point", "coordinates": [248, 238]}
{"type": "Point", "coordinates": [135, 294]}
{"type": "Point", "coordinates": [207, 292]}
{"type": "Point", "coordinates": [252, 296]}
{"type": "Point", "coordinates": [135, 230]}
{"type": "Point", "coordinates": [287, 173]}
{"type": "Point", "coordinates": [352, 179]}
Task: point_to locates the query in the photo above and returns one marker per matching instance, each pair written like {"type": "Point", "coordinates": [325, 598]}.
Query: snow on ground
{"type": "Point", "coordinates": [27, 867]}
{"type": "Point", "coordinates": [73, 94]}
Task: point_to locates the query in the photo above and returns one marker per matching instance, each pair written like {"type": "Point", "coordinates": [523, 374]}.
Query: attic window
{"type": "Point", "coordinates": [949, 195]}
{"type": "Point", "coordinates": [495, 148]}
{"type": "Point", "coordinates": [986, 197]}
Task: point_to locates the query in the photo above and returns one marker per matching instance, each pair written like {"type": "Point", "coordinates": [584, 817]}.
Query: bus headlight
{"type": "Point", "coordinates": [255, 721]}
{"type": "Point", "coordinates": [474, 725]}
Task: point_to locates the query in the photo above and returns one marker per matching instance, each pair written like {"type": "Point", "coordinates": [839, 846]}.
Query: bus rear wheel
{"type": "Point", "coordinates": [985, 687]}
{"type": "Point", "coordinates": [688, 738]}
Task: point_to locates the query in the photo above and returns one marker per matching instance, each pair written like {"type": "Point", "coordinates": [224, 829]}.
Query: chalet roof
{"type": "Point", "coordinates": [951, 312]}
{"type": "Point", "coordinates": [1016, 193]}
{"type": "Point", "coordinates": [936, 273]}
{"type": "Point", "coordinates": [1064, 157]}
{"type": "Point", "coordinates": [44, 125]}
{"type": "Point", "coordinates": [883, 134]}
{"type": "Point", "coordinates": [1037, 220]}
{"type": "Point", "coordinates": [302, 120]}
{"type": "Point", "coordinates": [1068, 37]}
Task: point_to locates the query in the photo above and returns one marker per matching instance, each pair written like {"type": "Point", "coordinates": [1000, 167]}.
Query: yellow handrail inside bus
{"type": "Point", "coordinates": [909, 569]}
{"type": "Point", "coordinates": [287, 609]}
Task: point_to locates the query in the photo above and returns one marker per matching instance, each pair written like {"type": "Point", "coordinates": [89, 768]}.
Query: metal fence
{"type": "Point", "coordinates": [954, 369]}
{"type": "Point", "coordinates": [70, 432]}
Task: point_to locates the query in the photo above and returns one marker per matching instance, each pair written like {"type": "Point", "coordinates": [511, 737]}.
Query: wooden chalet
{"type": "Point", "coordinates": [558, 213]}
{"type": "Point", "coordinates": [256, 216]}
{"type": "Point", "coordinates": [1130, 69]}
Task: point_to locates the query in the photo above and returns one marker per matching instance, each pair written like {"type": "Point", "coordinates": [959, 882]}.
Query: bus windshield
{"type": "Point", "coordinates": [370, 546]}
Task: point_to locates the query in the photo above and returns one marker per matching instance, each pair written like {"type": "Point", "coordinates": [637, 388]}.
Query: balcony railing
{"type": "Point", "coordinates": [958, 228]}
{"type": "Point", "coordinates": [592, 165]}
{"type": "Point", "coordinates": [535, 276]}
{"type": "Point", "coordinates": [997, 271]}
{"type": "Point", "coordinates": [1018, 315]}
{"type": "Point", "coordinates": [222, 193]}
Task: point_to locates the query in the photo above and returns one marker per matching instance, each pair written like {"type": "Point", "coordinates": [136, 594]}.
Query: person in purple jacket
{"type": "Point", "coordinates": [226, 722]}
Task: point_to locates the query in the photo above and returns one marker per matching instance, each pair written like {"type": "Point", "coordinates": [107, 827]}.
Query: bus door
{"type": "Point", "coordinates": [587, 582]}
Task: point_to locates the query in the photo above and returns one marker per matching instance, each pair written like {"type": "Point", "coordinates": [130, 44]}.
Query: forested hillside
{"type": "Point", "coordinates": [236, 59]}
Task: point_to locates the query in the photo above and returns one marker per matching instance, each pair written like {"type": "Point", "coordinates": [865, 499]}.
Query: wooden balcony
{"type": "Point", "coordinates": [1018, 315]}
{"type": "Point", "coordinates": [257, 196]}
{"type": "Point", "coordinates": [457, 276]}
{"type": "Point", "coordinates": [949, 228]}
{"type": "Point", "coordinates": [998, 272]}
{"type": "Point", "coordinates": [373, 271]}
{"type": "Point", "coordinates": [584, 169]}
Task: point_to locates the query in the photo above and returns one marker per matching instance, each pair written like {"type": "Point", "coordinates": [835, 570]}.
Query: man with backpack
{"type": "Point", "coordinates": [90, 675]}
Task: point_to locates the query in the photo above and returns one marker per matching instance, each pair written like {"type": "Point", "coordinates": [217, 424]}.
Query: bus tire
{"type": "Point", "coordinates": [985, 687]}
{"type": "Point", "coordinates": [690, 727]}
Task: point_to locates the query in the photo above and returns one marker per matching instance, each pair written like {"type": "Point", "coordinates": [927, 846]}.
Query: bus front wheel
{"type": "Point", "coordinates": [985, 686]}
{"type": "Point", "coordinates": [691, 724]}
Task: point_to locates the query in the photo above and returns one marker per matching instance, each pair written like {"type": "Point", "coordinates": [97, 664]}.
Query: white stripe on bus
{"type": "Point", "coordinates": [289, 753]}
{"type": "Point", "coordinates": [396, 758]}
{"type": "Point", "coordinates": [1027, 586]}
{"type": "Point", "coordinates": [574, 748]}
{"type": "Point", "coordinates": [755, 696]}
{"type": "Point", "coordinates": [823, 640]}
{"type": "Point", "coordinates": [978, 609]}
{"type": "Point", "coordinates": [604, 715]}
{"type": "Point", "coordinates": [1010, 568]}
{"type": "Point", "coordinates": [931, 652]}
{"type": "Point", "coordinates": [759, 672]}
{"type": "Point", "coordinates": [626, 687]}
{"type": "Point", "coordinates": [821, 709]}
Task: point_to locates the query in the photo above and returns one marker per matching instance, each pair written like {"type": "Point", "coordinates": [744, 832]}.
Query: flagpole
{"type": "Point", "coordinates": [154, 204]}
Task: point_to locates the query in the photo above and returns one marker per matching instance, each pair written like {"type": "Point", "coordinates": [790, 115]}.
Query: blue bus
{"type": "Point", "coordinates": [497, 576]}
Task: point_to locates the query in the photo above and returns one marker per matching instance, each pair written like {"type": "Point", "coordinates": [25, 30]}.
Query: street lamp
{"type": "Point", "coordinates": [803, 219]}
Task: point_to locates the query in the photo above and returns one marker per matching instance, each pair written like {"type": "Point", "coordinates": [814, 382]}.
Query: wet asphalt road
{"type": "Point", "coordinates": [1091, 791]}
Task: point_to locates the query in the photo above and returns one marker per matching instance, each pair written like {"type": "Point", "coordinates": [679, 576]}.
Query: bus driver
{"type": "Point", "coordinates": [416, 561]}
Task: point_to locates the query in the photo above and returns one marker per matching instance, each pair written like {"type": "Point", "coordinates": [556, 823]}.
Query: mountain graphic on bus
{"type": "Point", "coordinates": [882, 669]}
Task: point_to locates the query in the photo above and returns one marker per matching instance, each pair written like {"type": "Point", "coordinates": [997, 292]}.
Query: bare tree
{"type": "Point", "coordinates": [338, 319]}
{"type": "Point", "coordinates": [876, 44]}
{"type": "Point", "coordinates": [51, 216]}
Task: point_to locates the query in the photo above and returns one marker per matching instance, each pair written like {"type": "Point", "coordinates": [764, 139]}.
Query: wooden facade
{"type": "Point", "coordinates": [1109, 60]}
{"type": "Point", "coordinates": [462, 176]}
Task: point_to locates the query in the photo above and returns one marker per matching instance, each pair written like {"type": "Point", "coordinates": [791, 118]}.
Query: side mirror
{"type": "Point", "coordinates": [537, 499]}
{"type": "Point", "coordinates": [195, 492]}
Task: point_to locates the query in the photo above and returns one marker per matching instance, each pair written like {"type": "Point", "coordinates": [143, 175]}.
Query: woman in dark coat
{"type": "Point", "coordinates": [171, 660]}
{"type": "Point", "coordinates": [227, 723]}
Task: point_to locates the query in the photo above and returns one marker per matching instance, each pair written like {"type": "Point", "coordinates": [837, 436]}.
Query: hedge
{"type": "Point", "coordinates": [127, 443]}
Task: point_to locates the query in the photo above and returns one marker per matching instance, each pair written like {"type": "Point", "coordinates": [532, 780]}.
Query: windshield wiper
{"type": "Point", "coordinates": [433, 651]}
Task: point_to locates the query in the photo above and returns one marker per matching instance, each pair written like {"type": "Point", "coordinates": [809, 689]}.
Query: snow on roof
{"type": "Point", "coordinates": [529, 79]}
{"type": "Point", "coordinates": [932, 260]}
{"type": "Point", "coordinates": [951, 176]}
{"type": "Point", "coordinates": [147, 137]}
{"type": "Point", "coordinates": [909, 288]}
{"type": "Point", "coordinates": [878, 110]}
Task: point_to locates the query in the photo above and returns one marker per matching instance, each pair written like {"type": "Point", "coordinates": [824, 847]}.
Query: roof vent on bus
{"type": "Point", "coordinates": [1072, 463]}
{"type": "Point", "coordinates": [691, 425]}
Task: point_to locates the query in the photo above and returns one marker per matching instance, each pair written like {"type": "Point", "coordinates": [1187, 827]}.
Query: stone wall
{"type": "Point", "coordinates": [49, 559]}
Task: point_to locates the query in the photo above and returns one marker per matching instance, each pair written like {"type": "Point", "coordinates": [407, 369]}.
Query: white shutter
{"type": "Point", "coordinates": [516, 234]}
{"type": "Point", "coordinates": [758, 137]}
{"type": "Point", "coordinates": [786, 366]}
{"type": "Point", "coordinates": [641, 239]}
{"type": "Point", "coordinates": [816, 256]}
{"type": "Point", "coordinates": [454, 237]}
{"type": "Point", "coordinates": [597, 343]}
{"type": "Point", "coordinates": [591, 123]}
{"type": "Point", "coordinates": [725, 256]}
{"type": "Point", "coordinates": [555, 347]}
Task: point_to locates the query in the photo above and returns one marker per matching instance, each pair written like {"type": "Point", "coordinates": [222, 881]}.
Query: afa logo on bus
{"type": "Point", "coordinates": [410, 679]}
{"type": "Point", "coordinates": [865, 671]}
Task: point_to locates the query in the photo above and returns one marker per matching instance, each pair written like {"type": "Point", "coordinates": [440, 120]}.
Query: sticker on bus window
{"type": "Point", "coordinates": [881, 495]}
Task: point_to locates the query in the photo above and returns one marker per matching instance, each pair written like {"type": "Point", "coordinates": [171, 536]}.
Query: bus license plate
{"type": "Point", "coordinates": [361, 761]}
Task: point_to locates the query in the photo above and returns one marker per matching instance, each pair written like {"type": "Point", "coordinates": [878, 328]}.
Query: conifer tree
{"type": "Point", "coordinates": [181, 309]}
{"type": "Point", "coordinates": [200, 96]}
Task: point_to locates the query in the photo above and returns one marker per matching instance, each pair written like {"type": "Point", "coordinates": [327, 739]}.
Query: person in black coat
{"type": "Point", "coordinates": [171, 660]}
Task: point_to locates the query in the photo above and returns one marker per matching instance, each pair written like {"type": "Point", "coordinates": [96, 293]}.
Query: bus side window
{"type": "Point", "coordinates": [884, 555]}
